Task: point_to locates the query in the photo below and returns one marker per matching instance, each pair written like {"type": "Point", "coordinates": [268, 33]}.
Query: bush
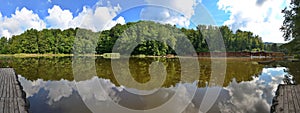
{"type": "Point", "coordinates": [297, 56]}
{"type": "Point", "coordinates": [111, 55]}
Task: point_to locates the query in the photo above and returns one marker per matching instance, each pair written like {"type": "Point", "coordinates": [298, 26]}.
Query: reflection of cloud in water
{"type": "Point", "coordinates": [57, 89]}
{"type": "Point", "coordinates": [89, 89]}
{"type": "Point", "coordinates": [106, 97]}
{"type": "Point", "coordinates": [247, 96]}
{"type": "Point", "coordinates": [56, 93]}
{"type": "Point", "coordinates": [255, 95]}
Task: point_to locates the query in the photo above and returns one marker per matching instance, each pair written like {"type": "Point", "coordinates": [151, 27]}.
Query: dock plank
{"type": "Point", "coordinates": [295, 98]}
{"type": "Point", "coordinates": [297, 91]}
{"type": "Point", "coordinates": [4, 83]}
{"type": "Point", "coordinates": [11, 98]}
{"type": "Point", "coordinates": [1, 85]}
{"type": "Point", "coordinates": [280, 98]}
{"type": "Point", "coordinates": [290, 99]}
{"type": "Point", "coordinates": [6, 106]}
{"type": "Point", "coordinates": [1, 105]}
{"type": "Point", "coordinates": [287, 99]}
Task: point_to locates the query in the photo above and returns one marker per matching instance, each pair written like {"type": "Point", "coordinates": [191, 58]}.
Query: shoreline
{"type": "Point", "coordinates": [150, 56]}
{"type": "Point", "coordinates": [44, 55]}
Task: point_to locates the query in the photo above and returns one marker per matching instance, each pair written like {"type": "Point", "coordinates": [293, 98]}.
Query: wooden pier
{"type": "Point", "coordinates": [287, 99]}
{"type": "Point", "coordinates": [12, 98]}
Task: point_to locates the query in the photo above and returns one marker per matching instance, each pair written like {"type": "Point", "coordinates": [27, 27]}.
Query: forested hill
{"type": "Point", "coordinates": [58, 41]}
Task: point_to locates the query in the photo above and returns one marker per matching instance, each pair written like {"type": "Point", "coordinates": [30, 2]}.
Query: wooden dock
{"type": "Point", "coordinates": [287, 99]}
{"type": "Point", "coordinates": [12, 98]}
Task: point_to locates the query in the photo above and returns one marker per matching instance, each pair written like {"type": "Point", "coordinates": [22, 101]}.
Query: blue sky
{"type": "Point", "coordinates": [263, 17]}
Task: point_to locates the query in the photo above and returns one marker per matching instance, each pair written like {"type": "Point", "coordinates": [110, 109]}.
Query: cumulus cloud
{"type": "Point", "coordinates": [164, 16]}
{"type": "Point", "coordinates": [20, 21]}
{"type": "Point", "coordinates": [59, 18]}
{"type": "Point", "coordinates": [176, 12]}
{"type": "Point", "coordinates": [99, 18]}
{"type": "Point", "coordinates": [183, 6]}
{"type": "Point", "coordinates": [111, 24]}
{"type": "Point", "coordinates": [96, 19]}
{"type": "Point", "coordinates": [262, 17]}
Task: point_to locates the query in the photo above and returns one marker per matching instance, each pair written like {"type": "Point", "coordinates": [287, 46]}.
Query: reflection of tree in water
{"type": "Point", "coordinates": [57, 68]}
{"type": "Point", "coordinates": [293, 69]}
{"type": "Point", "coordinates": [46, 68]}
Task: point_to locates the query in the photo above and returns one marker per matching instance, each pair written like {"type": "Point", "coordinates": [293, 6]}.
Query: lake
{"type": "Point", "coordinates": [56, 85]}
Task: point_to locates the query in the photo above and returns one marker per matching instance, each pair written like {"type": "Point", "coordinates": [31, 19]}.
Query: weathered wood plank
{"type": "Point", "coordinates": [1, 105]}
{"type": "Point", "coordinates": [295, 98]}
{"type": "Point", "coordinates": [15, 89]}
{"type": "Point", "coordinates": [6, 106]}
{"type": "Point", "coordinates": [11, 94]}
{"type": "Point", "coordinates": [297, 92]}
{"type": "Point", "coordinates": [11, 99]}
{"type": "Point", "coordinates": [21, 105]}
{"type": "Point", "coordinates": [285, 100]}
{"type": "Point", "coordinates": [280, 99]}
{"type": "Point", "coordinates": [4, 87]}
{"type": "Point", "coordinates": [1, 84]}
{"type": "Point", "coordinates": [290, 99]}
{"type": "Point", "coordinates": [11, 105]}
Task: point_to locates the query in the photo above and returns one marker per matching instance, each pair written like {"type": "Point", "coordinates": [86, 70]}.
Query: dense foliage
{"type": "Point", "coordinates": [291, 23]}
{"type": "Point", "coordinates": [291, 27]}
{"type": "Point", "coordinates": [170, 37]}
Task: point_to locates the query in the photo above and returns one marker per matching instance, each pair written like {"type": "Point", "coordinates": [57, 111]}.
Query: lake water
{"type": "Point", "coordinates": [54, 85]}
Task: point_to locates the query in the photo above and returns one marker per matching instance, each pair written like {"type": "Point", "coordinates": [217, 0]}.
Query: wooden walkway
{"type": "Point", "coordinates": [287, 99]}
{"type": "Point", "coordinates": [12, 98]}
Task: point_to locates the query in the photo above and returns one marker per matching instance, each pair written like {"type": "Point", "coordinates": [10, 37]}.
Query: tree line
{"type": "Point", "coordinates": [291, 28]}
{"type": "Point", "coordinates": [167, 39]}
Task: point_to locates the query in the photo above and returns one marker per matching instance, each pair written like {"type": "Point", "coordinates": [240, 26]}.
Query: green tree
{"type": "Point", "coordinates": [291, 27]}
{"type": "Point", "coordinates": [291, 23]}
{"type": "Point", "coordinates": [3, 45]}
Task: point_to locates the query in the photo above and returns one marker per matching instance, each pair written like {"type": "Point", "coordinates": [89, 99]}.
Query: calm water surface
{"type": "Point", "coordinates": [51, 87]}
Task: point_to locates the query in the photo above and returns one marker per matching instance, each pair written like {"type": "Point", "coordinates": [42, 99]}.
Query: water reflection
{"type": "Point", "coordinates": [256, 95]}
{"type": "Point", "coordinates": [52, 96]}
{"type": "Point", "coordinates": [62, 96]}
{"type": "Point", "coordinates": [57, 68]}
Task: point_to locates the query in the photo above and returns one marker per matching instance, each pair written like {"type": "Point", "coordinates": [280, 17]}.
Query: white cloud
{"type": "Point", "coordinates": [0, 16]}
{"type": "Point", "coordinates": [262, 17]}
{"type": "Point", "coordinates": [5, 33]}
{"type": "Point", "coordinates": [20, 21]}
{"type": "Point", "coordinates": [183, 6]}
{"type": "Point", "coordinates": [164, 16]}
{"type": "Point", "coordinates": [94, 19]}
{"type": "Point", "coordinates": [120, 20]}
{"type": "Point", "coordinates": [59, 18]}
{"type": "Point", "coordinates": [173, 15]}
{"type": "Point", "coordinates": [98, 19]}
